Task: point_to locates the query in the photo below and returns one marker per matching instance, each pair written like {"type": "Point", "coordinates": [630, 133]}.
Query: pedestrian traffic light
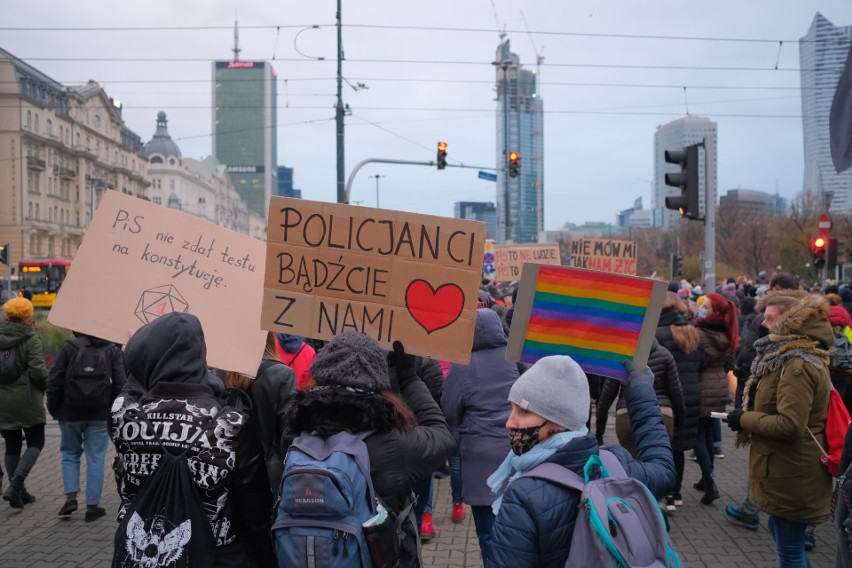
{"type": "Point", "coordinates": [831, 254]}
{"type": "Point", "coordinates": [4, 254]}
{"type": "Point", "coordinates": [514, 164]}
{"type": "Point", "coordinates": [686, 179]}
{"type": "Point", "coordinates": [677, 265]}
{"type": "Point", "coordinates": [818, 251]}
{"type": "Point", "coordinates": [442, 155]}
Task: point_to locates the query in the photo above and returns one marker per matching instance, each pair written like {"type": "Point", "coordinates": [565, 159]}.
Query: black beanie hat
{"type": "Point", "coordinates": [352, 360]}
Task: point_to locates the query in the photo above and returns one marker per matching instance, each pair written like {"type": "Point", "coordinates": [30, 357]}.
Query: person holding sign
{"type": "Point", "coordinates": [550, 405]}
{"type": "Point", "coordinates": [404, 430]}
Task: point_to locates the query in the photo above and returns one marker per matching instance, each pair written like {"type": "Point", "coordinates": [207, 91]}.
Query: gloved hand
{"type": "Point", "coordinates": [637, 376]}
{"type": "Point", "coordinates": [405, 364]}
{"type": "Point", "coordinates": [734, 420]}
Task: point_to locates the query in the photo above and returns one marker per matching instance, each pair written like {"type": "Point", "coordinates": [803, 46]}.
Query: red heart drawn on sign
{"type": "Point", "coordinates": [433, 308]}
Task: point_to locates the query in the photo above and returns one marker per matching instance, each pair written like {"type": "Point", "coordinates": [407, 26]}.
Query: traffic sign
{"type": "Point", "coordinates": [487, 176]}
{"type": "Point", "coordinates": [824, 224]}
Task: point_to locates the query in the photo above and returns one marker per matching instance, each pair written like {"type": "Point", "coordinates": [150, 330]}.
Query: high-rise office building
{"type": "Point", "coordinates": [245, 128]}
{"type": "Point", "coordinates": [520, 128]}
{"type": "Point", "coordinates": [484, 211]}
{"type": "Point", "coordinates": [285, 183]}
{"type": "Point", "coordinates": [822, 56]}
{"type": "Point", "coordinates": [676, 135]}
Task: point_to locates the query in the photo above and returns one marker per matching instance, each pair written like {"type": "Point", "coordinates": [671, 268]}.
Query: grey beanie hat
{"type": "Point", "coordinates": [352, 360]}
{"type": "Point", "coordinates": [555, 388]}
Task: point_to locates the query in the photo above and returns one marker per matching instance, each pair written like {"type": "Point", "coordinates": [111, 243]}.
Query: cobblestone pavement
{"type": "Point", "coordinates": [37, 538]}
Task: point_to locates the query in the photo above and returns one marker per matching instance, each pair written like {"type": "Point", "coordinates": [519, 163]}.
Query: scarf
{"type": "Point", "coordinates": [772, 352]}
{"type": "Point", "coordinates": [524, 463]}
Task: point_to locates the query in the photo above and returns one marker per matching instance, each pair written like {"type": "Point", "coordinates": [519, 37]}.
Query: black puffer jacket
{"type": "Point", "coordinates": [398, 458]}
{"type": "Point", "coordinates": [688, 369]}
{"type": "Point", "coordinates": [269, 392]}
{"type": "Point", "coordinates": [719, 359]}
{"type": "Point", "coordinates": [666, 386]}
{"type": "Point", "coordinates": [746, 353]}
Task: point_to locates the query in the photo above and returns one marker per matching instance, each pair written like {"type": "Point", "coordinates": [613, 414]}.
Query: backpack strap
{"type": "Point", "coordinates": [555, 473]}
{"type": "Point", "coordinates": [612, 463]}
{"type": "Point", "coordinates": [266, 364]}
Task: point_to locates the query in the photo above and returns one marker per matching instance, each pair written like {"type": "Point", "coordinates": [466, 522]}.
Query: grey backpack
{"type": "Point", "coordinates": [619, 522]}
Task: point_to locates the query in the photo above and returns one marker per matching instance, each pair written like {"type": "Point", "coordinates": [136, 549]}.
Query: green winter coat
{"type": "Point", "coordinates": [787, 478]}
{"type": "Point", "coordinates": [22, 402]}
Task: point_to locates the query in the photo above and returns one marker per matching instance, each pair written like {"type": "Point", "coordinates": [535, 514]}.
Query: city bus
{"type": "Point", "coordinates": [42, 277]}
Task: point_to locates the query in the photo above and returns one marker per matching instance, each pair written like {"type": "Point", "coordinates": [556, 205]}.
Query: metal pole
{"type": "Point", "coordinates": [341, 170]}
{"type": "Point", "coordinates": [709, 227]}
{"type": "Point", "coordinates": [377, 178]}
{"type": "Point", "coordinates": [506, 206]}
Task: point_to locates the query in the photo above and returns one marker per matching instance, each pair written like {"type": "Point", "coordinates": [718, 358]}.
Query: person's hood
{"type": "Point", "coordinates": [485, 298]}
{"type": "Point", "coordinates": [808, 317]}
{"type": "Point", "coordinates": [169, 349]}
{"type": "Point", "coordinates": [94, 341]}
{"type": "Point", "coordinates": [837, 315]}
{"type": "Point", "coordinates": [13, 334]}
{"type": "Point", "coordinates": [845, 294]}
{"type": "Point", "coordinates": [488, 330]}
{"type": "Point", "coordinates": [289, 343]}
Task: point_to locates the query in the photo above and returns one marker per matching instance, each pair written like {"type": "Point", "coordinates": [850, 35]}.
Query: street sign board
{"type": "Point", "coordinates": [824, 224]}
{"type": "Point", "coordinates": [487, 176]}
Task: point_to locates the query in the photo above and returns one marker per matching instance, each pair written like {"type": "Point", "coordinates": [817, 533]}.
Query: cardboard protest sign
{"type": "Point", "coordinates": [509, 259]}
{"type": "Point", "coordinates": [600, 320]}
{"type": "Point", "coordinates": [606, 255]}
{"type": "Point", "coordinates": [139, 261]}
{"type": "Point", "coordinates": [332, 268]}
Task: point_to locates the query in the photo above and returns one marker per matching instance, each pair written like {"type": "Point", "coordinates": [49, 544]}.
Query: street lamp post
{"type": "Point", "coordinates": [377, 177]}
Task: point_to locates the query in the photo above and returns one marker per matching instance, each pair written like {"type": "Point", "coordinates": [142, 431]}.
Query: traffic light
{"type": "Point", "coordinates": [677, 265]}
{"type": "Point", "coordinates": [831, 255]}
{"type": "Point", "coordinates": [442, 155]}
{"type": "Point", "coordinates": [514, 164]}
{"type": "Point", "coordinates": [686, 179]}
{"type": "Point", "coordinates": [818, 251]}
{"type": "Point", "coordinates": [4, 254]}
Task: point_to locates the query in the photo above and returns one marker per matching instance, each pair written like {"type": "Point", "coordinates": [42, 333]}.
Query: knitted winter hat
{"type": "Point", "coordinates": [352, 360]}
{"type": "Point", "coordinates": [19, 309]}
{"type": "Point", "coordinates": [555, 388]}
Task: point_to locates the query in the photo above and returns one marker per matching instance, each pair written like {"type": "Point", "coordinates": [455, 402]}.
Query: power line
{"type": "Point", "coordinates": [416, 62]}
{"type": "Point", "coordinates": [415, 28]}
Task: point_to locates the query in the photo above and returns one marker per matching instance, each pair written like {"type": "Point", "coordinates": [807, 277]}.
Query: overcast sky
{"type": "Point", "coordinates": [598, 139]}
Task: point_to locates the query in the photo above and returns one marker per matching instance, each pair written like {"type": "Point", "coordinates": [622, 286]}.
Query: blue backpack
{"type": "Point", "coordinates": [326, 496]}
{"type": "Point", "coordinates": [619, 523]}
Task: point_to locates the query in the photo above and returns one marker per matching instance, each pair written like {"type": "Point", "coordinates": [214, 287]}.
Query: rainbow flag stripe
{"type": "Point", "coordinates": [594, 317]}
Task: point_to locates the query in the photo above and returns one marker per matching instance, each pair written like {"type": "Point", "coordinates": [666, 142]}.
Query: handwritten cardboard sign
{"type": "Point", "coordinates": [333, 268]}
{"type": "Point", "coordinates": [606, 255]}
{"type": "Point", "coordinates": [509, 259]}
{"type": "Point", "coordinates": [598, 319]}
{"type": "Point", "coordinates": [139, 261]}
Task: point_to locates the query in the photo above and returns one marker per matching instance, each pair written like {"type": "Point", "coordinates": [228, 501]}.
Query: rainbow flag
{"type": "Point", "coordinates": [598, 319]}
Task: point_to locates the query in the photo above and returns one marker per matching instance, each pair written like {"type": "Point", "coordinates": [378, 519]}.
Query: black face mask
{"type": "Point", "coordinates": [764, 331]}
{"type": "Point", "coordinates": [523, 439]}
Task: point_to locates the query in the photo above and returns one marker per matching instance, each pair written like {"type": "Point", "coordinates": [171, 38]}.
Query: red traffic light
{"type": "Point", "coordinates": [442, 146]}
{"type": "Point", "coordinates": [819, 242]}
{"type": "Point", "coordinates": [514, 156]}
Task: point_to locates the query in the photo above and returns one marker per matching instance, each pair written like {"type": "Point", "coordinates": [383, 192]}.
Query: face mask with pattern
{"type": "Point", "coordinates": [523, 439]}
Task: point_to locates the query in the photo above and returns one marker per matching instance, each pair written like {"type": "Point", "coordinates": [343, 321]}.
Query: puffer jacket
{"type": "Point", "coordinates": [476, 400]}
{"type": "Point", "coordinates": [536, 519]}
{"type": "Point", "coordinates": [688, 371]}
{"type": "Point", "coordinates": [787, 478]}
{"type": "Point", "coordinates": [22, 402]}
{"type": "Point", "coordinates": [719, 359]}
{"type": "Point", "coordinates": [666, 386]}
{"type": "Point", "coordinates": [57, 378]}
{"type": "Point", "coordinates": [398, 458]}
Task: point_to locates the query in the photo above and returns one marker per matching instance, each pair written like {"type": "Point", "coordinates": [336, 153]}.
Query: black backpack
{"type": "Point", "coordinates": [88, 380]}
{"type": "Point", "coordinates": [9, 371]}
{"type": "Point", "coordinates": [840, 361]}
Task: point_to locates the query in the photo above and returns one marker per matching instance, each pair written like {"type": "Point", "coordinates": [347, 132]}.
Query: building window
{"type": "Point", "coordinates": [77, 140]}
{"type": "Point", "coordinates": [78, 218]}
{"type": "Point", "coordinates": [171, 184]}
{"type": "Point", "coordinates": [156, 160]}
{"type": "Point", "coordinates": [38, 214]}
{"type": "Point", "coordinates": [30, 210]}
{"type": "Point", "coordinates": [36, 122]}
{"type": "Point", "coordinates": [48, 127]}
{"type": "Point", "coordinates": [158, 201]}
{"type": "Point", "coordinates": [97, 121]}
{"type": "Point", "coordinates": [29, 119]}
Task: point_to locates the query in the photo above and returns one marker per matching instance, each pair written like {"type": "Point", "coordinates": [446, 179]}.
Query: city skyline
{"type": "Point", "coordinates": [609, 77]}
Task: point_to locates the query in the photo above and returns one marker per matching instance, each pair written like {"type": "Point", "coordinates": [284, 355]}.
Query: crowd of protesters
{"type": "Point", "coordinates": [759, 349]}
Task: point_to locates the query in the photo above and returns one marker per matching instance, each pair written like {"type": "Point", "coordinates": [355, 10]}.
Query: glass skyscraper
{"type": "Point", "coordinates": [245, 130]}
{"type": "Point", "coordinates": [520, 128]}
{"type": "Point", "coordinates": [822, 56]}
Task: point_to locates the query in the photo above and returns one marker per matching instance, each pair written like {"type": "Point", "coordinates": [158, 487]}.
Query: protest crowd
{"type": "Point", "coordinates": [272, 469]}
